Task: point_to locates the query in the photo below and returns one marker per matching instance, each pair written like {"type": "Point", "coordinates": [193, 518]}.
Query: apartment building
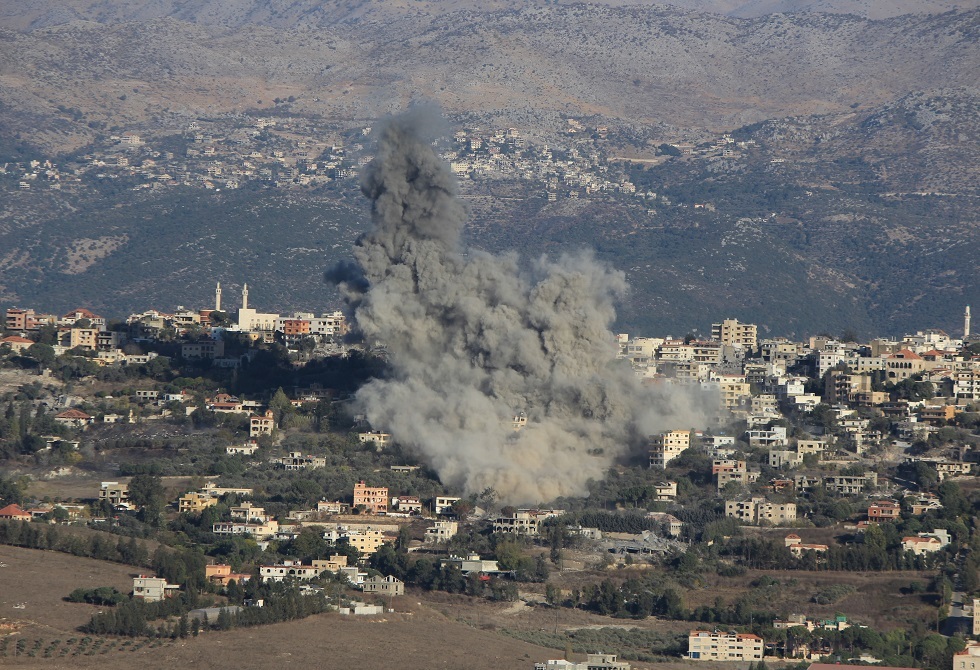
{"type": "Point", "coordinates": [734, 333]}
{"type": "Point", "coordinates": [668, 446]}
{"type": "Point", "coordinates": [374, 499]}
{"type": "Point", "coordinates": [717, 646]}
{"type": "Point", "coordinates": [757, 510]}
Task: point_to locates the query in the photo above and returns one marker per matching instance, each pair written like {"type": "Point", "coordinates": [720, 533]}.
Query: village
{"type": "Point", "coordinates": [826, 455]}
{"type": "Point", "coordinates": [289, 152]}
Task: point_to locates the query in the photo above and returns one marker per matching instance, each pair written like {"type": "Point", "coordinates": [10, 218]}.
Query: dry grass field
{"type": "Point", "coordinates": [421, 634]}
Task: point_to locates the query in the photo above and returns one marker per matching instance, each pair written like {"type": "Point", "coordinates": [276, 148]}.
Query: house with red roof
{"type": "Point", "coordinates": [15, 512]}
{"type": "Point", "coordinates": [16, 343]}
{"type": "Point", "coordinates": [75, 418]}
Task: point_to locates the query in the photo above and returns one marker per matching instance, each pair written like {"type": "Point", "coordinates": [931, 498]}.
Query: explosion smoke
{"type": "Point", "coordinates": [475, 338]}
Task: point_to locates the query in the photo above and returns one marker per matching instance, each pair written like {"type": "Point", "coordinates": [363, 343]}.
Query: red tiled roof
{"type": "Point", "coordinates": [17, 339]}
{"type": "Point", "coordinates": [72, 414]}
{"type": "Point", "coordinates": [14, 511]}
{"type": "Point", "coordinates": [81, 312]}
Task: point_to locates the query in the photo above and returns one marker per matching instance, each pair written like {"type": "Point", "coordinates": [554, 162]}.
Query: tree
{"type": "Point", "coordinates": [42, 353]}
{"type": "Point", "coordinates": [146, 492]}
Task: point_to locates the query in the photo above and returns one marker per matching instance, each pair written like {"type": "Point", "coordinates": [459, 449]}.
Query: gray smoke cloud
{"type": "Point", "coordinates": [475, 338]}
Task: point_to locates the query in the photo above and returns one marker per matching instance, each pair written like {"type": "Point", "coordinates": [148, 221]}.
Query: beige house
{"type": "Point", "coordinates": [153, 589]}
{"type": "Point", "coordinates": [919, 545]}
{"type": "Point", "coordinates": [261, 424]}
{"type": "Point", "coordinates": [386, 586]}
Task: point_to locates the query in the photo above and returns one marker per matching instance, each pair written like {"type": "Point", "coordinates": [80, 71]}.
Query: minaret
{"type": "Point", "coordinates": [245, 296]}
{"type": "Point", "coordinates": [966, 323]}
{"type": "Point", "coordinates": [217, 298]}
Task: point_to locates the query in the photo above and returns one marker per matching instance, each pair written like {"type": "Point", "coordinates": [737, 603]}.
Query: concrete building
{"type": "Point", "coordinates": [592, 662]}
{"type": "Point", "coordinates": [153, 589]}
{"type": "Point", "coordinates": [734, 333]}
{"type": "Point", "coordinates": [668, 446]}
{"type": "Point", "coordinates": [717, 646]}
{"type": "Point", "coordinates": [386, 586]}
{"type": "Point", "coordinates": [759, 511]}
{"type": "Point", "coordinates": [373, 499]}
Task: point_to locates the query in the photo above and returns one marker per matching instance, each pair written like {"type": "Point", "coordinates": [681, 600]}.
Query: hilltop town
{"type": "Point", "coordinates": [224, 436]}
{"type": "Point", "coordinates": [289, 152]}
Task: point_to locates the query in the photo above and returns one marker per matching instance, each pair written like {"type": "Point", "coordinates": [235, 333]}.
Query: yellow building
{"type": "Point", "coordinates": [195, 503]}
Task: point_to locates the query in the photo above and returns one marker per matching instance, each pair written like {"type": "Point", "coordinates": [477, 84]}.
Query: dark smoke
{"type": "Point", "coordinates": [475, 339]}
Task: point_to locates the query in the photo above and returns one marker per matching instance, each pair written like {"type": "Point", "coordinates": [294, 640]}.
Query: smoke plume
{"type": "Point", "coordinates": [474, 339]}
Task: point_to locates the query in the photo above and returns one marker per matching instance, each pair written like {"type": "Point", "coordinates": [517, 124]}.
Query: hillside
{"type": "Point", "coordinates": [859, 186]}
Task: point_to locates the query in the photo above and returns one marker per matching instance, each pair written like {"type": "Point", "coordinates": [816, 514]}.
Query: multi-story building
{"type": "Point", "coordinates": [373, 499]}
{"type": "Point", "coordinates": [153, 589]}
{"type": "Point", "coordinates": [296, 460]}
{"type": "Point", "coordinates": [969, 658]}
{"type": "Point", "coordinates": [784, 458]}
{"type": "Point", "coordinates": [734, 333]}
{"type": "Point", "coordinates": [444, 504]}
{"type": "Point", "coordinates": [114, 493]}
{"type": "Point", "coordinates": [884, 510]}
{"type": "Point", "coordinates": [717, 646]}
{"type": "Point", "coordinates": [195, 503]}
{"type": "Point", "coordinates": [668, 446]}
{"type": "Point", "coordinates": [378, 438]}
{"type": "Point", "coordinates": [521, 522]}
{"type": "Point", "coordinates": [850, 485]}
{"type": "Point", "coordinates": [758, 510]}
{"type": "Point", "coordinates": [261, 424]}
{"type": "Point", "coordinates": [386, 586]}
{"type": "Point", "coordinates": [288, 570]}
{"type": "Point", "coordinates": [441, 531]}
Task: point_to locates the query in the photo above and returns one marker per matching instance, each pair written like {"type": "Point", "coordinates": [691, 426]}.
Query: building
{"type": "Point", "coordinates": [17, 343]}
{"type": "Point", "coordinates": [668, 446]}
{"type": "Point", "coordinates": [521, 522]}
{"type": "Point", "coordinates": [797, 547]}
{"type": "Point", "coordinates": [969, 658]}
{"type": "Point", "coordinates": [441, 531]}
{"type": "Point", "coordinates": [717, 646]}
{"type": "Point", "coordinates": [75, 418]}
{"type": "Point", "coordinates": [473, 563]}
{"type": "Point", "coordinates": [733, 333]}
{"type": "Point", "coordinates": [758, 510]}
{"type": "Point", "coordinates": [114, 493]}
{"type": "Point", "coordinates": [222, 574]}
{"type": "Point", "coordinates": [407, 504]}
{"type": "Point", "coordinates": [261, 424]}
{"type": "Point", "coordinates": [153, 589]}
{"type": "Point", "coordinates": [295, 460]}
{"type": "Point", "coordinates": [593, 662]}
{"type": "Point", "coordinates": [444, 504]}
{"type": "Point", "coordinates": [920, 546]}
{"type": "Point", "coordinates": [850, 485]}
{"type": "Point", "coordinates": [15, 513]}
{"type": "Point", "coordinates": [884, 510]}
{"type": "Point", "coordinates": [372, 499]}
{"type": "Point", "coordinates": [386, 586]}
{"type": "Point", "coordinates": [378, 438]}
{"type": "Point", "coordinates": [288, 570]}
{"type": "Point", "coordinates": [664, 491]}
{"type": "Point", "coordinates": [259, 531]}
{"type": "Point", "coordinates": [195, 503]}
